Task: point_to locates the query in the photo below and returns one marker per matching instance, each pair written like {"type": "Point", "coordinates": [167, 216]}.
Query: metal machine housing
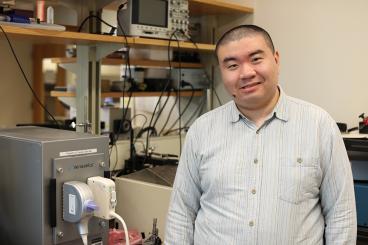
{"type": "Point", "coordinates": [34, 164]}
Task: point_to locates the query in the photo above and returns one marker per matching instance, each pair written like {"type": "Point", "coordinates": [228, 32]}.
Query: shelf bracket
{"type": "Point", "coordinates": [82, 87]}
{"type": "Point", "coordinates": [88, 89]}
{"type": "Point", "coordinates": [72, 67]}
{"type": "Point", "coordinates": [102, 50]}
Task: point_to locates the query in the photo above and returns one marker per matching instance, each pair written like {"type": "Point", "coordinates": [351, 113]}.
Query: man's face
{"type": "Point", "coordinates": [250, 71]}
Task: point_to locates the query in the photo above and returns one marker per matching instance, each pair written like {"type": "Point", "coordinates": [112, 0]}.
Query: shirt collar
{"type": "Point", "coordinates": [280, 111]}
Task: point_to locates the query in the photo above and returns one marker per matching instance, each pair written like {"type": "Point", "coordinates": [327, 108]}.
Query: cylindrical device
{"type": "Point", "coordinates": [40, 10]}
{"type": "Point", "coordinates": [77, 201]}
{"type": "Point", "coordinates": [50, 15]}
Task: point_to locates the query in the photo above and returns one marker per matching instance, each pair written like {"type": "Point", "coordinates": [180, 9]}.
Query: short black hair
{"type": "Point", "coordinates": [241, 31]}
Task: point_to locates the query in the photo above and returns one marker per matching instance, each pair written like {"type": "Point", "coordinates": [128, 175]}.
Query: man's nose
{"type": "Point", "coordinates": [247, 71]}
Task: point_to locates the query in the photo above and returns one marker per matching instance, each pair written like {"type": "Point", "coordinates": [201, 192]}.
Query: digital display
{"type": "Point", "coordinates": [150, 12]}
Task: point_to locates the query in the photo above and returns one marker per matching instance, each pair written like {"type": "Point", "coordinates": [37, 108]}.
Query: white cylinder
{"type": "Point", "coordinates": [50, 15]}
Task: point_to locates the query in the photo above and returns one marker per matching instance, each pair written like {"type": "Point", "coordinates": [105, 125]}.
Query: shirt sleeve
{"type": "Point", "coordinates": [185, 196]}
{"type": "Point", "coordinates": [337, 189]}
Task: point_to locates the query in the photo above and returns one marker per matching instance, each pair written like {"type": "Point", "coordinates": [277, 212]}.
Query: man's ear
{"type": "Point", "coordinates": [276, 55]}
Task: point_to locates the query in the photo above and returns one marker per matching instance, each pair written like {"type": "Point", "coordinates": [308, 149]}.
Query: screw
{"type": "Point", "coordinates": [60, 234]}
{"type": "Point", "coordinates": [60, 170]}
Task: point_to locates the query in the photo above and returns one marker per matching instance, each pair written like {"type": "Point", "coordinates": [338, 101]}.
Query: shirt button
{"type": "Point", "coordinates": [251, 223]}
{"type": "Point", "coordinates": [255, 161]}
{"type": "Point", "coordinates": [253, 191]}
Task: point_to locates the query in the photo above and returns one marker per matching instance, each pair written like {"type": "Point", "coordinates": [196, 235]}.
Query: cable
{"type": "Point", "coordinates": [156, 120]}
{"type": "Point", "coordinates": [83, 229]}
{"type": "Point", "coordinates": [176, 129]}
{"type": "Point", "coordinates": [26, 79]}
{"type": "Point", "coordinates": [144, 116]}
{"type": "Point", "coordinates": [199, 109]}
{"type": "Point", "coordinates": [125, 111]}
{"type": "Point", "coordinates": [186, 107]}
{"type": "Point", "coordinates": [161, 94]}
{"type": "Point", "coordinates": [146, 129]}
{"type": "Point", "coordinates": [179, 104]}
{"type": "Point", "coordinates": [136, 138]}
{"type": "Point", "coordinates": [121, 27]}
{"type": "Point", "coordinates": [159, 99]}
{"type": "Point", "coordinates": [179, 94]}
{"type": "Point", "coordinates": [162, 109]}
{"type": "Point", "coordinates": [118, 217]}
{"type": "Point", "coordinates": [98, 18]}
{"type": "Point", "coordinates": [171, 110]}
{"type": "Point", "coordinates": [127, 68]}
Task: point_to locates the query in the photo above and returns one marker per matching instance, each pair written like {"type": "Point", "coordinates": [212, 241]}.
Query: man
{"type": "Point", "coordinates": [264, 168]}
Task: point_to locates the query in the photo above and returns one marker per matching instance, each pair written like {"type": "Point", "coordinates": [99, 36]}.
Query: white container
{"type": "Point", "coordinates": [50, 15]}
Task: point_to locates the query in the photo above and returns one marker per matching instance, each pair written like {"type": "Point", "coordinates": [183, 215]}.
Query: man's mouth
{"type": "Point", "coordinates": [250, 85]}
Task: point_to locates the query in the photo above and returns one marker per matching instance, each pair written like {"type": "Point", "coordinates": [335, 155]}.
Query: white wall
{"type": "Point", "coordinates": [15, 96]}
{"type": "Point", "coordinates": [323, 47]}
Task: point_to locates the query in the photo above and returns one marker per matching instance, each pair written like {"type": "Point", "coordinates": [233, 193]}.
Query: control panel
{"type": "Point", "coordinates": [179, 15]}
{"type": "Point", "coordinates": [155, 18]}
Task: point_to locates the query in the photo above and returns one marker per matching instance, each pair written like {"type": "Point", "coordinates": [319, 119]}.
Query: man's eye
{"type": "Point", "coordinates": [256, 59]}
{"type": "Point", "coordinates": [232, 66]}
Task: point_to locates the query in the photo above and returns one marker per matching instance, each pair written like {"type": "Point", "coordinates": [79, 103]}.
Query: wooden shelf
{"type": "Point", "coordinates": [206, 7]}
{"type": "Point", "coordinates": [67, 37]}
{"type": "Point", "coordinates": [216, 7]}
{"type": "Point", "coordinates": [184, 93]}
{"type": "Point", "coordinates": [133, 62]}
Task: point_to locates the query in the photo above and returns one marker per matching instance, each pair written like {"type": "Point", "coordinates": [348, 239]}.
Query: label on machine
{"type": "Point", "coordinates": [78, 152]}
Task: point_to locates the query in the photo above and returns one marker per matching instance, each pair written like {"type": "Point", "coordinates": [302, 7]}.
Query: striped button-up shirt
{"type": "Point", "coordinates": [286, 182]}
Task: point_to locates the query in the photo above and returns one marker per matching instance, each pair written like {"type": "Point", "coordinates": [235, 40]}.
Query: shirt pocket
{"type": "Point", "coordinates": [299, 179]}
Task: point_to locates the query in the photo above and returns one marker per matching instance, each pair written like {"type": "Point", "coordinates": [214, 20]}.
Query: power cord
{"type": "Point", "coordinates": [142, 115]}
{"type": "Point", "coordinates": [154, 132]}
{"type": "Point", "coordinates": [126, 79]}
{"type": "Point", "coordinates": [199, 109]}
{"type": "Point", "coordinates": [122, 222]}
{"type": "Point", "coordinates": [26, 79]}
{"type": "Point", "coordinates": [176, 129]}
{"type": "Point", "coordinates": [129, 79]}
{"type": "Point", "coordinates": [113, 28]}
{"type": "Point", "coordinates": [162, 109]}
{"type": "Point", "coordinates": [170, 112]}
{"type": "Point", "coordinates": [179, 104]}
{"type": "Point", "coordinates": [185, 108]}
